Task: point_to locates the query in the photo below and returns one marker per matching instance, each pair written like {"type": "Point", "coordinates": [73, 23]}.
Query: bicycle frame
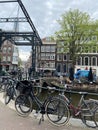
{"type": "Point", "coordinates": [75, 109]}
{"type": "Point", "coordinates": [41, 105]}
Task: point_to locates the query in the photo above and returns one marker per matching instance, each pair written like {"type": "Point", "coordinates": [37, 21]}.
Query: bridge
{"type": "Point", "coordinates": [30, 38]}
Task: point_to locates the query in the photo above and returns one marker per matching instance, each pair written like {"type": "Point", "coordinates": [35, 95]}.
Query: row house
{"type": "Point", "coordinates": [9, 56]}
{"type": "Point", "coordinates": [88, 58]}
{"type": "Point", "coordinates": [46, 55]}
{"type": "Point", "coordinates": [50, 56]}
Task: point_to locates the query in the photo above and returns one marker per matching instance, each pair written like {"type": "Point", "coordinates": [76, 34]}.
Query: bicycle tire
{"type": "Point", "coordinates": [8, 95]}
{"type": "Point", "coordinates": [6, 98]}
{"type": "Point", "coordinates": [96, 116]}
{"type": "Point", "coordinates": [2, 87]}
{"type": "Point", "coordinates": [23, 105]}
{"type": "Point", "coordinates": [57, 112]}
{"type": "Point", "coordinates": [87, 113]}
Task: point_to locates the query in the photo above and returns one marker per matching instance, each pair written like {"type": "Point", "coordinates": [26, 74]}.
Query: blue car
{"type": "Point", "coordinates": [81, 73]}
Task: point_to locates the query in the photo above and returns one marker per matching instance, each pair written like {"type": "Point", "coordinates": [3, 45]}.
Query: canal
{"type": "Point", "coordinates": [75, 96]}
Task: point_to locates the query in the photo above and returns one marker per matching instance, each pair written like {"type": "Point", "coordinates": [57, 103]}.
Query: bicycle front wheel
{"type": "Point", "coordinates": [8, 95]}
{"type": "Point", "coordinates": [57, 112]}
{"type": "Point", "coordinates": [96, 116]}
{"type": "Point", "coordinates": [23, 105]}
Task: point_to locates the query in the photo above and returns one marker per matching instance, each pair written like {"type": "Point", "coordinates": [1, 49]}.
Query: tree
{"type": "Point", "coordinates": [76, 30]}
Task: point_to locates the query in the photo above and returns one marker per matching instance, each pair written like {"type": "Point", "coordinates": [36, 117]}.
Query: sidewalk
{"type": "Point", "coordinates": [9, 120]}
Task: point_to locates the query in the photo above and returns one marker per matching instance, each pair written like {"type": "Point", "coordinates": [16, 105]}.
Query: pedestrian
{"type": "Point", "coordinates": [29, 73]}
{"type": "Point", "coordinates": [90, 75]}
{"type": "Point", "coordinates": [19, 74]}
{"type": "Point", "coordinates": [71, 73]}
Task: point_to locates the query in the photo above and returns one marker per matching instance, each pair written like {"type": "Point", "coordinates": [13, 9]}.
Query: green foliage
{"type": "Point", "coordinates": [76, 30]}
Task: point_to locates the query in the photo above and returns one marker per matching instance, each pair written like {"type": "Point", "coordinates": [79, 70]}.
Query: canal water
{"type": "Point", "coordinates": [75, 96]}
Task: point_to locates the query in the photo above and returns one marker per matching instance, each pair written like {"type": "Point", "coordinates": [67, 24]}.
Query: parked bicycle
{"type": "Point", "coordinates": [58, 109]}
{"type": "Point", "coordinates": [24, 106]}
{"type": "Point", "coordinates": [3, 83]}
{"type": "Point", "coordinates": [87, 110]}
{"type": "Point", "coordinates": [10, 91]}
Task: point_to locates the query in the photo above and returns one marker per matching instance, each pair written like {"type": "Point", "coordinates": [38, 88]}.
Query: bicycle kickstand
{"type": "Point", "coordinates": [41, 119]}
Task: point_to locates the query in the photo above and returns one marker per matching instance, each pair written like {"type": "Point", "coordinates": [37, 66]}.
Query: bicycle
{"type": "Point", "coordinates": [3, 83]}
{"type": "Point", "coordinates": [86, 109]}
{"type": "Point", "coordinates": [59, 108]}
{"type": "Point", "coordinates": [10, 91]}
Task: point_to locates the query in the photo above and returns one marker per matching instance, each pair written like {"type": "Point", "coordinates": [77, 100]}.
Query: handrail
{"type": "Point", "coordinates": [67, 90]}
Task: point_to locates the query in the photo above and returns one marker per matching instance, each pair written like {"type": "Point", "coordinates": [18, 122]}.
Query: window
{"type": "Point", "coordinates": [9, 49]}
{"type": "Point", "coordinates": [52, 48]}
{"type": "Point", "coordinates": [48, 56]}
{"type": "Point", "coordinates": [94, 61]}
{"type": "Point", "coordinates": [8, 58]}
{"type": "Point", "coordinates": [4, 58]}
{"type": "Point", "coordinates": [42, 48]}
{"type": "Point", "coordinates": [52, 65]}
{"type": "Point", "coordinates": [79, 61]}
{"type": "Point", "coordinates": [64, 57]}
{"type": "Point", "coordinates": [52, 57]}
{"type": "Point", "coordinates": [47, 49]}
{"type": "Point", "coordinates": [86, 60]}
{"type": "Point", "coordinates": [59, 57]}
{"type": "Point", "coordinates": [58, 67]}
{"type": "Point", "coordinates": [4, 50]}
{"type": "Point", "coordinates": [15, 58]}
{"type": "Point", "coordinates": [42, 56]}
{"type": "Point", "coordinates": [64, 68]}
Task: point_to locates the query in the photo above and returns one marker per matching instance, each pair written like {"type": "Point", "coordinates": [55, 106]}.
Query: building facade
{"type": "Point", "coordinates": [51, 56]}
{"type": "Point", "coordinates": [9, 56]}
{"type": "Point", "coordinates": [46, 55]}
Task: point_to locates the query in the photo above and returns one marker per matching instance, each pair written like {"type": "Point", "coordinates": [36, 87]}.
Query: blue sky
{"type": "Point", "coordinates": [44, 14]}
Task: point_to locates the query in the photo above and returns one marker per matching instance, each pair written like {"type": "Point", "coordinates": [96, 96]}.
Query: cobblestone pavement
{"type": "Point", "coordinates": [9, 120]}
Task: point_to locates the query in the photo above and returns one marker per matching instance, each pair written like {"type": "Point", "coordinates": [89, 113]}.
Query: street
{"type": "Point", "coordinates": [9, 120]}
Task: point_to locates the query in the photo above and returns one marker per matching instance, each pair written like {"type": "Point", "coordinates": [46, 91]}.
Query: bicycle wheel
{"type": "Point", "coordinates": [8, 95]}
{"type": "Point", "coordinates": [57, 112]}
{"type": "Point", "coordinates": [23, 105]}
{"type": "Point", "coordinates": [2, 87]}
{"type": "Point", "coordinates": [87, 113]}
{"type": "Point", "coordinates": [96, 116]}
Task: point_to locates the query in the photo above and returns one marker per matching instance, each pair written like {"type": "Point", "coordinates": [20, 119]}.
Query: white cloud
{"type": "Point", "coordinates": [24, 53]}
{"type": "Point", "coordinates": [45, 13]}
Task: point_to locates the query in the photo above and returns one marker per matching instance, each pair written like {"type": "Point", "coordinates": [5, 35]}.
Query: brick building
{"type": "Point", "coordinates": [9, 56]}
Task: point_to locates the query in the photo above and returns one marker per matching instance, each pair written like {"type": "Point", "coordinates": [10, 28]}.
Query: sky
{"type": "Point", "coordinates": [44, 14]}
